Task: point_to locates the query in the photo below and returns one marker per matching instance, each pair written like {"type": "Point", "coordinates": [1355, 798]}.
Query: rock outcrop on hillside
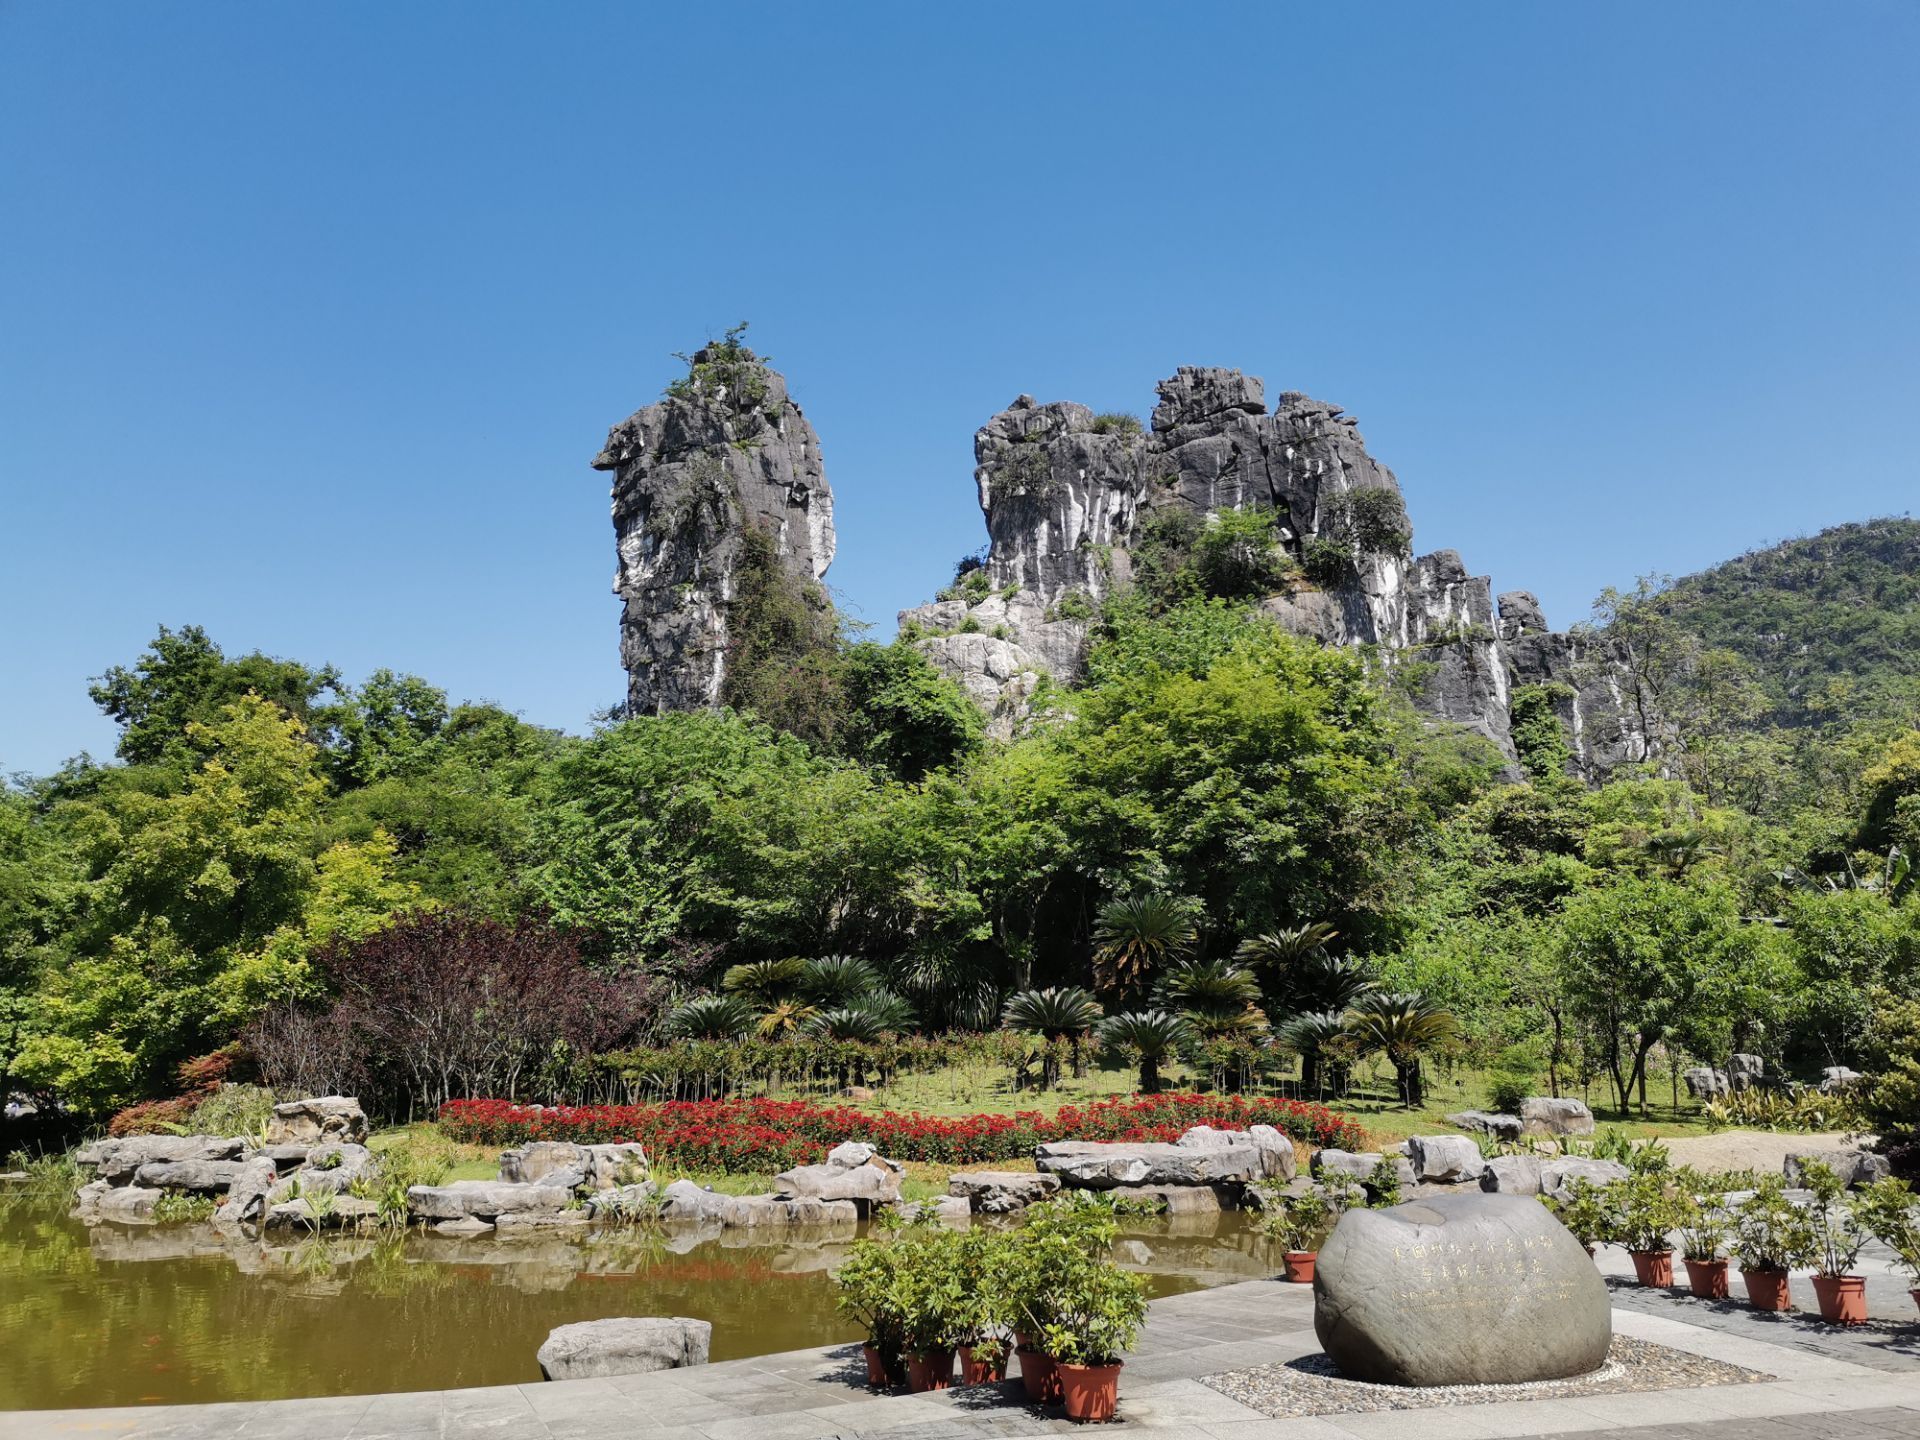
{"type": "Point", "coordinates": [1076, 504]}
{"type": "Point", "coordinates": [726, 450]}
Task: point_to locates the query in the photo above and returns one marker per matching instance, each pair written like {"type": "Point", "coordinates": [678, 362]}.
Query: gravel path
{"type": "Point", "coordinates": [1762, 1150]}
{"type": "Point", "coordinates": [1312, 1386]}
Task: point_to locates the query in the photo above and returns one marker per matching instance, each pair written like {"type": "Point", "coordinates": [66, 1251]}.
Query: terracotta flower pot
{"type": "Point", "coordinates": [1653, 1267]}
{"type": "Point", "coordinates": [1089, 1392]}
{"type": "Point", "coordinates": [877, 1377]}
{"type": "Point", "coordinates": [1768, 1289]}
{"type": "Point", "coordinates": [1843, 1298]}
{"type": "Point", "coordinates": [1300, 1265]}
{"type": "Point", "coordinates": [932, 1370]}
{"type": "Point", "coordinates": [1039, 1375]}
{"type": "Point", "coordinates": [1707, 1278]}
{"type": "Point", "coordinates": [977, 1371]}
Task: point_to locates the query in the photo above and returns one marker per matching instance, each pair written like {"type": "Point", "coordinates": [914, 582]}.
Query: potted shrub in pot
{"type": "Point", "coordinates": [1886, 1209]}
{"type": "Point", "coordinates": [1646, 1209]}
{"type": "Point", "coordinates": [1771, 1235]}
{"type": "Point", "coordinates": [987, 1282]}
{"type": "Point", "coordinates": [1095, 1321]}
{"type": "Point", "coordinates": [1704, 1230]}
{"type": "Point", "coordinates": [936, 1304]}
{"type": "Point", "coordinates": [1056, 1245]}
{"type": "Point", "coordinates": [1837, 1238]}
{"type": "Point", "coordinates": [869, 1296]}
{"type": "Point", "coordinates": [1298, 1223]}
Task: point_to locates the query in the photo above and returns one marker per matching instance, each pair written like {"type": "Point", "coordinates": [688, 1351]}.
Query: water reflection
{"type": "Point", "coordinates": [169, 1314]}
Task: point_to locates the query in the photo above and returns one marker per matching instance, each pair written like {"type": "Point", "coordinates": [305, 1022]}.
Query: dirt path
{"type": "Point", "coordinates": [1762, 1150]}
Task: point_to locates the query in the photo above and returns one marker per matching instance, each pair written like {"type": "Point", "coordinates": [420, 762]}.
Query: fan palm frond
{"type": "Point", "coordinates": [1137, 936]}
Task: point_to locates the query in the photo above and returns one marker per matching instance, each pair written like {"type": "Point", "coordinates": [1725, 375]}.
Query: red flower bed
{"type": "Point", "coordinates": [756, 1136]}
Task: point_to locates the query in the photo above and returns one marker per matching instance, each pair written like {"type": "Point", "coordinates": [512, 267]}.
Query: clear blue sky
{"type": "Point", "coordinates": [311, 315]}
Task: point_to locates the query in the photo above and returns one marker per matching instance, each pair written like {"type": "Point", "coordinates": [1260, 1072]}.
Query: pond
{"type": "Point", "coordinates": [179, 1313]}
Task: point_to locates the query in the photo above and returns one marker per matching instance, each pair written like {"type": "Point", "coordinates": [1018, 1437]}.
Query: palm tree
{"type": "Point", "coordinates": [762, 981]}
{"type": "Point", "coordinates": [1137, 936]}
{"type": "Point", "coordinates": [1315, 1037]}
{"type": "Point", "coordinates": [1305, 975]}
{"type": "Point", "coordinates": [712, 1017]}
{"type": "Point", "coordinates": [1055, 1013]}
{"type": "Point", "coordinates": [1151, 1036]}
{"type": "Point", "coordinates": [1217, 998]}
{"type": "Point", "coordinates": [1405, 1025]}
{"type": "Point", "coordinates": [1286, 947]}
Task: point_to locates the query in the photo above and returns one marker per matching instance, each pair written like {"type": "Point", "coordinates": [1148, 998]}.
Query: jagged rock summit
{"type": "Point", "coordinates": [726, 453]}
{"type": "Point", "coordinates": [1077, 504]}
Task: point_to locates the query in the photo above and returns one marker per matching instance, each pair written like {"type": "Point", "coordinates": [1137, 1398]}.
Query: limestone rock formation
{"type": "Point", "coordinates": [1077, 504]}
{"type": "Point", "coordinates": [595, 1348]}
{"type": "Point", "coordinates": [725, 453]}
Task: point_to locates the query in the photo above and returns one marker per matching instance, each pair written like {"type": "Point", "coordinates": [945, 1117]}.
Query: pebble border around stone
{"type": "Point", "coordinates": [1312, 1385]}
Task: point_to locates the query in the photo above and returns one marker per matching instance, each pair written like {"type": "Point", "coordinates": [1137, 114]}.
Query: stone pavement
{"type": "Point", "coordinates": [814, 1394]}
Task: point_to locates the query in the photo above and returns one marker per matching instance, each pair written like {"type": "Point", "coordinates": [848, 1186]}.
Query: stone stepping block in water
{"type": "Point", "coordinates": [482, 1198]}
{"type": "Point", "coordinates": [595, 1348]}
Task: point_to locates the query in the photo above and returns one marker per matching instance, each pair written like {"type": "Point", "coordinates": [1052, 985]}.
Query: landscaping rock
{"type": "Point", "coordinates": [521, 1222]}
{"type": "Point", "coordinates": [330, 1170]}
{"type": "Point", "coordinates": [1357, 1165]}
{"type": "Point", "coordinates": [1483, 1122]}
{"type": "Point", "coordinates": [948, 1209]}
{"type": "Point", "coordinates": [1705, 1083]}
{"type": "Point", "coordinates": [464, 1228]}
{"type": "Point", "coordinates": [247, 1195]}
{"type": "Point", "coordinates": [102, 1201]}
{"type": "Point", "coordinates": [1174, 1199]}
{"type": "Point", "coordinates": [546, 1162]}
{"type": "Point", "coordinates": [623, 1201]}
{"type": "Point", "coordinates": [1838, 1077]}
{"type": "Point", "coordinates": [683, 1200]}
{"type": "Point", "coordinates": [344, 1210]}
{"type": "Point", "coordinates": [323, 1117]}
{"type": "Point", "coordinates": [1512, 1175]}
{"type": "Point", "coordinates": [853, 1171]}
{"type": "Point", "coordinates": [1745, 1071]}
{"type": "Point", "coordinates": [1557, 1175]}
{"type": "Point", "coordinates": [1448, 1159]}
{"type": "Point", "coordinates": [202, 1177]}
{"type": "Point", "coordinates": [1087, 1165]}
{"type": "Point", "coordinates": [118, 1161]}
{"type": "Point", "coordinates": [1854, 1167]}
{"type": "Point", "coordinates": [1462, 1289]}
{"type": "Point", "coordinates": [595, 1348]}
{"type": "Point", "coordinates": [486, 1199]}
{"type": "Point", "coordinates": [1545, 1115]}
{"type": "Point", "coordinates": [1273, 1150]}
{"type": "Point", "coordinates": [1000, 1192]}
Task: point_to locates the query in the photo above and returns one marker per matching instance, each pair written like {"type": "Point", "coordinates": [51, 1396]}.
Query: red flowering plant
{"type": "Point", "coordinates": [756, 1136]}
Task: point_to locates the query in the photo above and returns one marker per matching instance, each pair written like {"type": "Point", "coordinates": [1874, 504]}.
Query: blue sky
{"type": "Point", "coordinates": [311, 316]}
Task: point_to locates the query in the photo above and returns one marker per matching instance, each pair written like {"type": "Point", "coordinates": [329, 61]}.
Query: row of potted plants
{"type": "Point", "coordinates": [1767, 1233]}
{"type": "Point", "coordinates": [1045, 1291]}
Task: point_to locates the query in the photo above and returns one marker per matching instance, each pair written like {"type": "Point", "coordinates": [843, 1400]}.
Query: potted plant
{"type": "Point", "coordinates": [936, 1303]}
{"type": "Point", "coordinates": [1771, 1235]}
{"type": "Point", "coordinates": [869, 1296]}
{"type": "Point", "coordinates": [1886, 1209]}
{"type": "Point", "coordinates": [1646, 1210]}
{"type": "Point", "coordinates": [1584, 1210]}
{"type": "Point", "coordinates": [1096, 1318]}
{"type": "Point", "coordinates": [1057, 1245]}
{"type": "Point", "coordinates": [1298, 1223]}
{"type": "Point", "coordinates": [1837, 1238]}
{"type": "Point", "coordinates": [1704, 1228]}
{"type": "Point", "coordinates": [986, 1277]}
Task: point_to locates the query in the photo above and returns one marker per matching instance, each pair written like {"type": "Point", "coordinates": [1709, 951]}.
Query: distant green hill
{"type": "Point", "coordinates": [1830, 623]}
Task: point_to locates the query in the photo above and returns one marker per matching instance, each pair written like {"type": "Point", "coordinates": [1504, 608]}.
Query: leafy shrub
{"type": "Point", "coordinates": [234, 1110]}
{"type": "Point", "coordinates": [1238, 554]}
{"type": "Point", "coordinates": [1117, 422]}
{"type": "Point", "coordinates": [1758, 1109]}
{"type": "Point", "coordinates": [175, 1208]}
{"type": "Point", "coordinates": [154, 1117]}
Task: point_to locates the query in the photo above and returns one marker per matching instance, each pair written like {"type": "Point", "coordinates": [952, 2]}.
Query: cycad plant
{"type": "Point", "coordinates": [1218, 998]}
{"type": "Point", "coordinates": [834, 981]}
{"type": "Point", "coordinates": [1406, 1025]}
{"type": "Point", "coordinates": [1316, 1037]}
{"type": "Point", "coordinates": [783, 1018]}
{"type": "Point", "coordinates": [763, 982]}
{"type": "Point", "coordinates": [1137, 937]}
{"type": "Point", "coordinates": [1056, 1013]}
{"type": "Point", "coordinates": [1150, 1037]}
{"type": "Point", "coordinates": [712, 1017]}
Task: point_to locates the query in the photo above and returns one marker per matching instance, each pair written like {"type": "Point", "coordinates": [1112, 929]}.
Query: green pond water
{"type": "Point", "coordinates": [178, 1313]}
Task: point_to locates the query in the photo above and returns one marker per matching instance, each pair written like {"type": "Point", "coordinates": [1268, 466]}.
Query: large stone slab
{"type": "Point", "coordinates": [102, 1201]}
{"type": "Point", "coordinates": [118, 1161]}
{"type": "Point", "coordinates": [560, 1162]}
{"type": "Point", "coordinates": [1200, 1157]}
{"type": "Point", "coordinates": [1445, 1159]}
{"type": "Point", "coordinates": [321, 1117]}
{"type": "Point", "coordinates": [1460, 1289]}
{"type": "Point", "coordinates": [685, 1201]}
{"type": "Point", "coordinates": [1854, 1167]}
{"type": "Point", "coordinates": [247, 1195]}
{"type": "Point", "coordinates": [1512, 1175]}
{"type": "Point", "coordinates": [1546, 1115]}
{"type": "Point", "coordinates": [1000, 1192]}
{"type": "Point", "coordinates": [202, 1177]}
{"type": "Point", "coordinates": [595, 1348]}
{"type": "Point", "coordinates": [852, 1171]}
{"type": "Point", "coordinates": [1484, 1122]}
{"type": "Point", "coordinates": [1557, 1176]}
{"type": "Point", "coordinates": [485, 1199]}
{"type": "Point", "coordinates": [1276, 1160]}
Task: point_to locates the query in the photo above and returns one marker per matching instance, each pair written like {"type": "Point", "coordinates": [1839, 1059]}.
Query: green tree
{"type": "Point", "coordinates": [903, 714]}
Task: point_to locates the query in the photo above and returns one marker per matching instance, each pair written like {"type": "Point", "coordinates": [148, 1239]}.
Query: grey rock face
{"type": "Point", "coordinates": [1745, 1071]}
{"type": "Point", "coordinates": [1448, 1159]}
{"type": "Point", "coordinates": [486, 1199]}
{"type": "Point", "coordinates": [1512, 1175]}
{"type": "Point", "coordinates": [1544, 1115]}
{"type": "Point", "coordinates": [1069, 499]}
{"type": "Point", "coordinates": [118, 1161]}
{"type": "Point", "coordinates": [1557, 1176]}
{"type": "Point", "coordinates": [1854, 1167]}
{"type": "Point", "coordinates": [1483, 1122]}
{"type": "Point", "coordinates": [690, 475]}
{"type": "Point", "coordinates": [685, 1201]}
{"type": "Point", "coordinates": [852, 1172]}
{"type": "Point", "coordinates": [1000, 1192]}
{"type": "Point", "coordinates": [247, 1195]}
{"type": "Point", "coordinates": [1459, 1290]}
{"type": "Point", "coordinates": [1089, 1165]}
{"type": "Point", "coordinates": [341, 1210]}
{"type": "Point", "coordinates": [595, 1348]}
{"type": "Point", "coordinates": [337, 1118]}
{"type": "Point", "coordinates": [202, 1177]}
{"type": "Point", "coordinates": [1273, 1151]}
{"type": "Point", "coordinates": [102, 1201]}
{"type": "Point", "coordinates": [1705, 1083]}
{"type": "Point", "coordinates": [1838, 1077]}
